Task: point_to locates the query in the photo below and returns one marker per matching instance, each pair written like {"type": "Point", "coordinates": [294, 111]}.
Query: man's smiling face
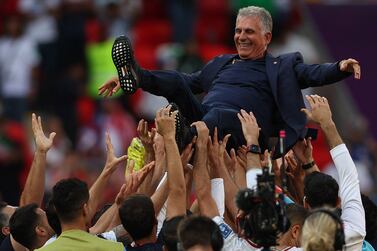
{"type": "Point", "coordinates": [250, 39]}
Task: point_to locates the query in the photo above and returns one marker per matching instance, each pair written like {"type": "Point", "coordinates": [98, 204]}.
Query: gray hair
{"type": "Point", "coordinates": [263, 15]}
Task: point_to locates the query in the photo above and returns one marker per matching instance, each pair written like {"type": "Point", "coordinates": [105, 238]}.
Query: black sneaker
{"type": "Point", "coordinates": [182, 131]}
{"type": "Point", "coordinates": [128, 69]}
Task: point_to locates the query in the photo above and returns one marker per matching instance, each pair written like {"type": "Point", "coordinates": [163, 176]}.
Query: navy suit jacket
{"type": "Point", "coordinates": [287, 75]}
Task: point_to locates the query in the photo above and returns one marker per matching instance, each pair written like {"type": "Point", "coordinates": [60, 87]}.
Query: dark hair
{"type": "Point", "coordinates": [69, 197]}
{"type": "Point", "coordinates": [4, 220]}
{"type": "Point", "coordinates": [296, 214]}
{"type": "Point", "coordinates": [320, 190]}
{"type": "Point", "coordinates": [170, 233]}
{"type": "Point", "coordinates": [23, 223]}
{"type": "Point", "coordinates": [137, 216]}
{"type": "Point", "coordinates": [200, 230]}
{"type": "Point", "coordinates": [52, 218]}
{"type": "Point", "coordinates": [370, 218]}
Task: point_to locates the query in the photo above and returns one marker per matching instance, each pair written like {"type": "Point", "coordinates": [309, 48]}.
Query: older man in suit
{"type": "Point", "coordinates": [251, 80]}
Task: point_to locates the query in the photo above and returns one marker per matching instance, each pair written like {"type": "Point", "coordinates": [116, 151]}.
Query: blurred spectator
{"type": "Point", "coordinates": [182, 16]}
{"type": "Point", "coordinates": [119, 15]}
{"type": "Point", "coordinates": [65, 93]}
{"type": "Point", "coordinates": [18, 62]}
{"type": "Point", "coordinates": [41, 26]}
{"type": "Point", "coordinates": [190, 60]}
{"type": "Point", "coordinates": [14, 156]}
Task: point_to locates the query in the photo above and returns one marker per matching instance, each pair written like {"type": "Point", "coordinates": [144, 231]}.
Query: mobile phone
{"type": "Point", "coordinates": [311, 133]}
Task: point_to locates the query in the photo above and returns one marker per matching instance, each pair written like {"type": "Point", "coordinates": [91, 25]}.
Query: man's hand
{"type": "Point", "coordinates": [165, 122]}
{"type": "Point", "coordinates": [250, 127]}
{"type": "Point", "coordinates": [217, 148]}
{"type": "Point", "coordinates": [304, 150]}
{"type": "Point", "coordinates": [145, 135]}
{"type": "Point", "coordinates": [351, 65]}
{"type": "Point", "coordinates": [112, 161]}
{"type": "Point", "coordinates": [203, 132]}
{"type": "Point", "coordinates": [110, 87]}
{"type": "Point", "coordinates": [42, 143]}
{"type": "Point", "coordinates": [187, 153]}
{"type": "Point", "coordinates": [133, 182]}
{"type": "Point", "coordinates": [320, 112]}
{"type": "Point", "coordinates": [242, 157]}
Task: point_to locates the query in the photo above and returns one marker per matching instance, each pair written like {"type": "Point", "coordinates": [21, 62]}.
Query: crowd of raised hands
{"type": "Point", "coordinates": [199, 183]}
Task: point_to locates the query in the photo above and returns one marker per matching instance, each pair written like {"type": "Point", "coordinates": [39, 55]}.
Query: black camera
{"type": "Point", "coordinates": [264, 211]}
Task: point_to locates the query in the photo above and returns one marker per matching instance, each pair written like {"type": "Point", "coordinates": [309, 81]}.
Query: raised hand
{"type": "Point", "coordinates": [187, 153]}
{"type": "Point", "coordinates": [165, 122]}
{"type": "Point", "coordinates": [304, 150]}
{"type": "Point", "coordinates": [110, 87]}
{"type": "Point", "coordinates": [42, 143]}
{"type": "Point", "coordinates": [266, 160]}
{"type": "Point", "coordinates": [203, 132]}
{"type": "Point", "coordinates": [319, 112]}
{"type": "Point", "coordinates": [112, 161]}
{"type": "Point", "coordinates": [216, 148]}
{"type": "Point", "coordinates": [351, 65]}
{"type": "Point", "coordinates": [146, 136]}
{"type": "Point", "coordinates": [133, 182]}
{"type": "Point", "coordinates": [250, 127]}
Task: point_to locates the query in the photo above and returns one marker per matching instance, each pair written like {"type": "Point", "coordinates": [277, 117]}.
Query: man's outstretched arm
{"type": "Point", "coordinates": [353, 214]}
{"type": "Point", "coordinates": [202, 181]}
{"type": "Point", "coordinates": [176, 203]}
{"type": "Point", "coordinates": [35, 183]}
{"type": "Point", "coordinates": [324, 74]}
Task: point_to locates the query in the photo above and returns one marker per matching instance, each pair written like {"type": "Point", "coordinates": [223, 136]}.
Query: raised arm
{"type": "Point", "coordinates": [250, 131]}
{"type": "Point", "coordinates": [176, 203]}
{"type": "Point", "coordinates": [216, 151]}
{"type": "Point", "coordinates": [323, 74]}
{"type": "Point", "coordinates": [202, 181]}
{"type": "Point", "coordinates": [110, 218]}
{"type": "Point", "coordinates": [35, 183]}
{"type": "Point", "coordinates": [99, 185]}
{"type": "Point", "coordinates": [353, 214]}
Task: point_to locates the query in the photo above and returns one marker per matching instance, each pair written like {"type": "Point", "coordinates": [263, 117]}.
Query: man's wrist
{"type": "Point", "coordinates": [308, 160]}
{"type": "Point", "coordinates": [308, 165]}
{"type": "Point", "coordinates": [169, 137]}
{"type": "Point", "coordinates": [41, 151]}
{"type": "Point", "coordinates": [327, 124]}
{"type": "Point", "coordinates": [250, 142]}
{"type": "Point", "coordinates": [254, 148]}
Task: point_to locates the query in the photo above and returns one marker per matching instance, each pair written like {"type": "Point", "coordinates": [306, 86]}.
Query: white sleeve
{"type": "Point", "coordinates": [231, 240]}
{"type": "Point", "coordinates": [162, 214]}
{"type": "Point", "coordinates": [52, 239]}
{"type": "Point", "coordinates": [111, 236]}
{"type": "Point", "coordinates": [251, 177]}
{"type": "Point", "coordinates": [353, 214]}
{"type": "Point", "coordinates": [217, 192]}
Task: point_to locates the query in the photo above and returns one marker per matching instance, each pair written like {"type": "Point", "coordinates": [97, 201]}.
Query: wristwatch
{"type": "Point", "coordinates": [308, 165]}
{"type": "Point", "coordinates": [254, 149]}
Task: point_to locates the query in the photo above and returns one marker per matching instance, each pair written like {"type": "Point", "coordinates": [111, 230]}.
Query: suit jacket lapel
{"type": "Point", "coordinates": [272, 69]}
